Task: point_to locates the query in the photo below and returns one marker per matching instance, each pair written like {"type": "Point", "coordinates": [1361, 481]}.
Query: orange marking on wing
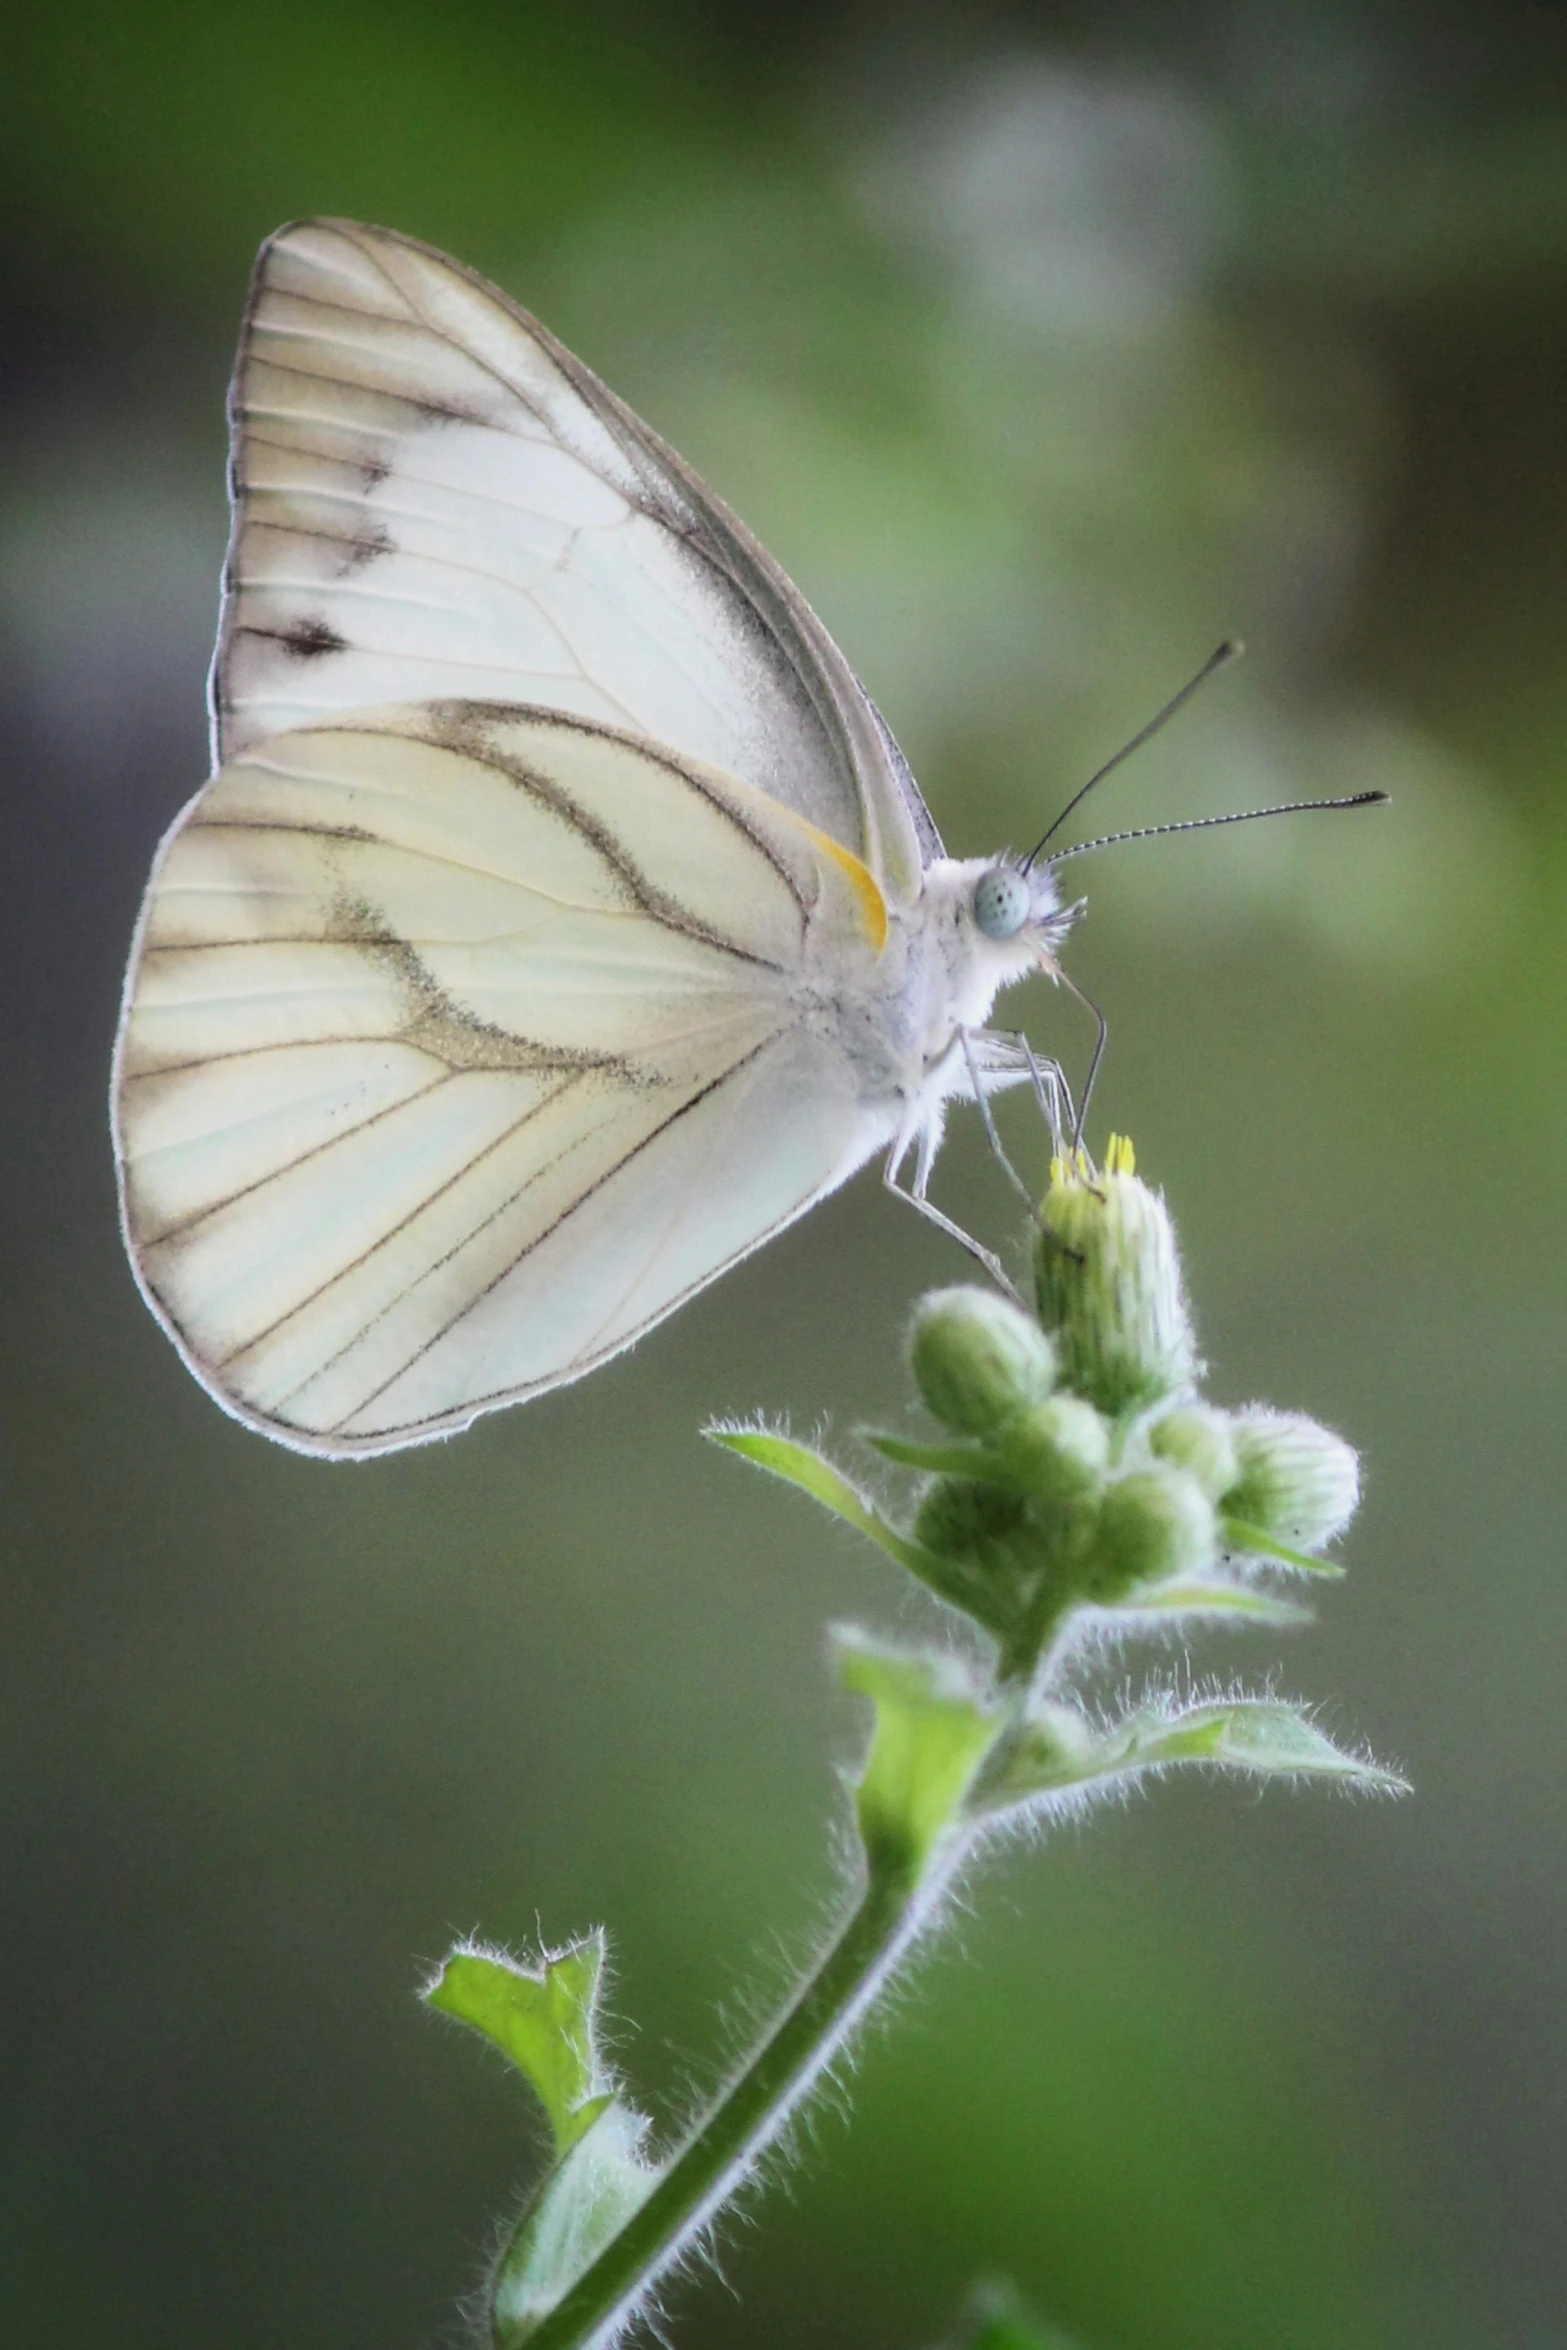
{"type": "Point", "coordinates": [873, 906]}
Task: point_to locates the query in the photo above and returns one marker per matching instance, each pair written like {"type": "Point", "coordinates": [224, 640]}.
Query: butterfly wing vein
{"type": "Point", "coordinates": [433, 497]}
{"type": "Point", "coordinates": [432, 1095]}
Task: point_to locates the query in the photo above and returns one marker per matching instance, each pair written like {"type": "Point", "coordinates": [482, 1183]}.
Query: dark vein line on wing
{"type": "Point", "coordinates": [427, 409]}
{"type": "Point", "coordinates": [672, 1224]}
{"type": "Point", "coordinates": [385, 1239]}
{"type": "Point", "coordinates": [540, 1237]}
{"type": "Point", "coordinates": [648, 900]}
{"type": "Point", "coordinates": [199, 1216]}
{"type": "Point", "coordinates": [487, 499]}
{"type": "Point", "coordinates": [419, 317]}
{"type": "Point", "coordinates": [680, 504]}
{"type": "Point", "coordinates": [656, 902]}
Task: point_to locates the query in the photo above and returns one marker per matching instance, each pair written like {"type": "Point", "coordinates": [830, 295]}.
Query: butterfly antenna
{"type": "Point", "coordinates": [1361, 799]}
{"type": "Point", "coordinates": [1230, 650]}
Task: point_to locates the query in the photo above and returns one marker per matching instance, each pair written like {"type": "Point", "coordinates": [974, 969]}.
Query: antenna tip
{"type": "Point", "coordinates": [1231, 650]}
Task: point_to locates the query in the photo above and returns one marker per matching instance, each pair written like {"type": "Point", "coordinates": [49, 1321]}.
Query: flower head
{"type": "Point", "coordinates": [1108, 1280]}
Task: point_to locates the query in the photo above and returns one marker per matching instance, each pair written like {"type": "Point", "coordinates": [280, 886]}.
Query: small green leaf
{"type": "Point", "coordinates": [1260, 1735]}
{"type": "Point", "coordinates": [942, 1460]}
{"type": "Point", "coordinates": [1209, 1595]}
{"type": "Point", "coordinates": [1058, 1748]}
{"type": "Point", "coordinates": [798, 1465]}
{"type": "Point", "coordinates": [932, 1732]}
{"type": "Point", "coordinates": [542, 2022]}
{"type": "Point", "coordinates": [1241, 1538]}
{"type": "Point", "coordinates": [582, 2205]}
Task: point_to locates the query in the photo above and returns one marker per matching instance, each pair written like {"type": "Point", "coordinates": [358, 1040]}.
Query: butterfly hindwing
{"type": "Point", "coordinates": [460, 1046]}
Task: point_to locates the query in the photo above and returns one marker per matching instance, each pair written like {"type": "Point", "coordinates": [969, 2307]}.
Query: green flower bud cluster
{"type": "Point", "coordinates": [1019, 1511]}
{"type": "Point", "coordinates": [1051, 1507]}
{"type": "Point", "coordinates": [1093, 1475]}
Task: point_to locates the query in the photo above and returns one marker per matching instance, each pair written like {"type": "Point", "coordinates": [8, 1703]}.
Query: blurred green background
{"type": "Point", "coordinates": [1046, 347]}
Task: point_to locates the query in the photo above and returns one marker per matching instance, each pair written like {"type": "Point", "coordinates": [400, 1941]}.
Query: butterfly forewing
{"type": "Point", "coordinates": [433, 499]}
{"type": "Point", "coordinates": [460, 1046]}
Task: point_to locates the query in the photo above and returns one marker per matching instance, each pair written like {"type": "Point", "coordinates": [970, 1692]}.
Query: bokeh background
{"type": "Point", "coordinates": [1045, 346]}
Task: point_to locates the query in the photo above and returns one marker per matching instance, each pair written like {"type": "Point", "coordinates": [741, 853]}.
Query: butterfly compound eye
{"type": "Point", "coordinates": [1002, 900]}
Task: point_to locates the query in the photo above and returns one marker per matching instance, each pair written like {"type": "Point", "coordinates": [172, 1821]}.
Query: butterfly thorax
{"type": "Point", "coordinates": [961, 969]}
{"type": "Point", "coordinates": [897, 1015]}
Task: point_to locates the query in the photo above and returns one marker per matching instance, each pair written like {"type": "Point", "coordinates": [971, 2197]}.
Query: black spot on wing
{"type": "Point", "coordinates": [309, 638]}
{"type": "Point", "coordinates": [368, 541]}
{"type": "Point", "coordinates": [372, 472]}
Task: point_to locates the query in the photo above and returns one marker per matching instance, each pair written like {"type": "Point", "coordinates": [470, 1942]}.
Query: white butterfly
{"type": "Point", "coordinates": [561, 920]}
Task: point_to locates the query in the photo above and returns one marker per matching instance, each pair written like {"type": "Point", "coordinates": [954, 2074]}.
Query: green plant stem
{"type": "Point", "coordinates": [725, 2144]}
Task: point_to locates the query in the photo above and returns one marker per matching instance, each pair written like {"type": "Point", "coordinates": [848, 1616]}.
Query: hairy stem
{"type": "Point", "coordinates": [725, 2144]}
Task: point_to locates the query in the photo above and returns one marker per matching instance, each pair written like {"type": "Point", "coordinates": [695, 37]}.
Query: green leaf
{"type": "Point", "coordinates": [1241, 1538]}
{"type": "Point", "coordinates": [1206, 1595]}
{"type": "Point", "coordinates": [1058, 1748]}
{"type": "Point", "coordinates": [798, 1465]}
{"type": "Point", "coordinates": [942, 1460]}
{"type": "Point", "coordinates": [1260, 1735]}
{"type": "Point", "coordinates": [582, 2206]}
{"type": "Point", "coordinates": [932, 1732]}
{"type": "Point", "coordinates": [543, 2023]}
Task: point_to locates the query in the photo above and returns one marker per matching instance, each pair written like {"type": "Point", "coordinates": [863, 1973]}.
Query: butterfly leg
{"type": "Point", "coordinates": [1100, 1041]}
{"type": "Point", "coordinates": [1051, 1091]}
{"type": "Point", "coordinates": [981, 1094]}
{"type": "Point", "coordinates": [1053, 1095]}
{"type": "Point", "coordinates": [925, 1139]}
{"type": "Point", "coordinates": [1012, 1059]}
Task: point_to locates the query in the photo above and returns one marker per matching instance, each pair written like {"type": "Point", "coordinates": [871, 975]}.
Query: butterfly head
{"type": "Point", "coordinates": [1013, 905]}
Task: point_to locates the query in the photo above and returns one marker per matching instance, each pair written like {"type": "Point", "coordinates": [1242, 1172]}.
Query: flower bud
{"type": "Point", "coordinates": [1198, 1439]}
{"type": "Point", "coordinates": [977, 1360]}
{"type": "Point", "coordinates": [1059, 1451]}
{"type": "Point", "coordinates": [1155, 1526]}
{"type": "Point", "coordinates": [1297, 1481]}
{"type": "Point", "coordinates": [984, 1527]}
{"type": "Point", "coordinates": [1108, 1280]}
